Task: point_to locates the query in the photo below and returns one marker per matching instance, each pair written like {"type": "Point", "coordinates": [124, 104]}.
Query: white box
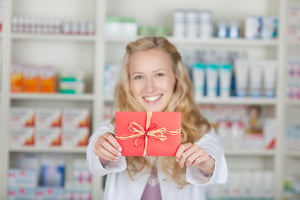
{"type": "Point", "coordinates": [75, 118]}
{"type": "Point", "coordinates": [24, 136]}
{"type": "Point", "coordinates": [48, 137]}
{"type": "Point", "coordinates": [22, 178]}
{"type": "Point", "coordinates": [22, 117]}
{"type": "Point", "coordinates": [75, 137]}
{"type": "Point", "coordinates": [48, 118]}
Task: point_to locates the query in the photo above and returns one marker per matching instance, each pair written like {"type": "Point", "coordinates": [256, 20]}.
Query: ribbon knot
{"type": "Point", "coordinates": [148, 132]}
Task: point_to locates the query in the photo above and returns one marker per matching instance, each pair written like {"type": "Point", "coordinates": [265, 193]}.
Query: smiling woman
{"type": "Point", "coordinates": [153, 79]}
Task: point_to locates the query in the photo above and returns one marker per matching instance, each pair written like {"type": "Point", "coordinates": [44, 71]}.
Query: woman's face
{"type": "Point", "coordinates": [152, 79]}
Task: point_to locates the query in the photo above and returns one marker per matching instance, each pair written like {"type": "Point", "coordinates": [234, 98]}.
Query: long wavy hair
{"type": "Point", "coordinates": [193, 124]}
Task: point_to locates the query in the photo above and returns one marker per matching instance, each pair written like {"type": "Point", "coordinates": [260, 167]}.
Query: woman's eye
{"type": "Point", "coordinates": [138, 77]}
{"type": "Point", "coordinates": [159, 74]}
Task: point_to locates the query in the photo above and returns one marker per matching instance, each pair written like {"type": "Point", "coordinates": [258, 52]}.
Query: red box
{"type": "Point", "coordinates": [161, 138]}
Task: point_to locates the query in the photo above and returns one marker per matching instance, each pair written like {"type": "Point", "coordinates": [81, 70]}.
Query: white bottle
{"type": "Point", "coordinates": [192, 24]}
{"type": "Point", "coordinates": [179, 23]}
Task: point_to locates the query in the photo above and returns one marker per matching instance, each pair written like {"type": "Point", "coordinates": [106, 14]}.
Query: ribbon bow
{"type": "Point", "coordinates": [139, 131]}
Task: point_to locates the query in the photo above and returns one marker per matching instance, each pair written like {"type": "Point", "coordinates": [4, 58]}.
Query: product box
{"type": "Point", "coordinates": [75, 118]}
{"type": "Point", "coordinates": [81, 174]}
{"type": "Point", "coordinates": [52, 171]}
{"type": "Point", "coordinates": [22, 117]}
{"type": "Point", "coordinates": [77, 191]}
{"type": "Point", "coordinates": [72, 82]}
{"type": "Point", "coordinates": [148, 133]}
{"type": "Point", "coordinates": [47, 79]}
{"type": "Point", "coordinates": [48, 137]}
{"type": "Point", "coordinates": [16, 78]}
{"type": "Point", "coordinates": [48, 118]}
{"type": "Point", "coordinates": [75, 137]}
{"type": "Point", "coordinates": [23, 136]}
{"type": "Point", "coordinates": [21, 193]}
{"type": "Point", "coordinates": [22, 178]}
{"type": "Point", "coordinates": [49, 193]}
{"type": "Point", "coordinates": [30, 79]}
{"type": "Point", "coordinates": [111, 74]}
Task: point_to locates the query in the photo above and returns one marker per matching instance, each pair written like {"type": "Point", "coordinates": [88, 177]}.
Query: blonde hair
{"type": "Point", "coordinates": [193, 124]}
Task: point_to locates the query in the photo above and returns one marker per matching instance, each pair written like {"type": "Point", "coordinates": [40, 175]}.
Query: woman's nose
{"type": "Point", "coordinates": [150, 85]}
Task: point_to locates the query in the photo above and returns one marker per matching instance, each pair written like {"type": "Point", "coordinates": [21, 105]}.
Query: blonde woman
{"type": "Point", "coordinates": [154, 79]}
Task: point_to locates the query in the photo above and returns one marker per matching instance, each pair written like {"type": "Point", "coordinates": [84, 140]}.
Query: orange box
{"type": "Point", "coordinates": [46, 76]}
{"type": "Point", "coordinates": [30, 79]}
{"type": "Point", "coordinates": [16, 78]}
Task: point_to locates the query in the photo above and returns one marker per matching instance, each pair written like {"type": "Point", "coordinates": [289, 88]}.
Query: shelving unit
{"type": "Point", "coordinates": [291, 111]}
{"type": "Point", "coordinates": [61, 51]}
{"type": "Point", "coordinates": [93, 52]}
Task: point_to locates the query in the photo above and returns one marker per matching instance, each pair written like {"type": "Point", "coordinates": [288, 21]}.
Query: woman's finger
{"type": "Point", "coordinates": [112, 140]}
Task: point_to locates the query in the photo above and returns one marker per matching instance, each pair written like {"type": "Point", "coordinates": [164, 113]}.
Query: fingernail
{"type": "Point", "coordinates": [120, 149]}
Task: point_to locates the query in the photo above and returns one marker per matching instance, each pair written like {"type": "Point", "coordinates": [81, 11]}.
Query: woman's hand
{"type": "Point", "coordinates": [107, 148]}
{"type": "Point", "coordinates": [189, 154]}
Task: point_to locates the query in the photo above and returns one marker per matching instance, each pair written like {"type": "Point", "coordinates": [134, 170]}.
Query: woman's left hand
{"type": "Point", "coordinates": [189, 154]}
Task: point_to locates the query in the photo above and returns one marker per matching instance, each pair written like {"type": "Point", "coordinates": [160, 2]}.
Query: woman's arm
{"type": "Point", "coordinates": [102, 156]}
{"type": "Point", "coordinates": [205, 160]}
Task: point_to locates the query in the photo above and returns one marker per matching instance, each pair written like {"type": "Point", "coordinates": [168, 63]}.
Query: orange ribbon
{"type": "Point", "coordinates": [138, 131]}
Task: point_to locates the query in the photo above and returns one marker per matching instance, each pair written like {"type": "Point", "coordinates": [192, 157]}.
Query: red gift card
{"type": "Point", "coordinates": [148, 133]}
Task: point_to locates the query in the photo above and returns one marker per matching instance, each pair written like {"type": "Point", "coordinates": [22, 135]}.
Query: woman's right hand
{"type": "Point", "coordinates": [107, 148]}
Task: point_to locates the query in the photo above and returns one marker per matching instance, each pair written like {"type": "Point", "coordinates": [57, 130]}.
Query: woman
{"type": "Point", "coordinates": [154, 79]}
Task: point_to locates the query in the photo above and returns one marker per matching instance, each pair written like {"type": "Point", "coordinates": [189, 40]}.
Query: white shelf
{"type": "Point", "coordinates": [293, 102]}
{"type": "Point", "coordinates": [294, 44]}
{"type": "Point", "coordinates": [63, 97]}
{"type": "Point", "coordinates": [249, 152]}
{"type": "Point", "coordinates": [48, 149]}
{"type": "Point", "coordinates": [237, 100]}
{"type": "Point", "coordinates": [293, 153]}
{"type": "Point", "coordinates": [229, 101]}
{"type": "Point", "coordinates": [209, 41]}
{"type": "Point", "coordinates": [79, 38]}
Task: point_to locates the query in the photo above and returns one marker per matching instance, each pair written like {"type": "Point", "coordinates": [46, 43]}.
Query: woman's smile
{"type": "Point", "coordinates": [152, 79]}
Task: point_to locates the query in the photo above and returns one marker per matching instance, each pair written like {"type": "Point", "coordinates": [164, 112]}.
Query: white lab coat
{"type": "Point", "coordinates": [119, 186]}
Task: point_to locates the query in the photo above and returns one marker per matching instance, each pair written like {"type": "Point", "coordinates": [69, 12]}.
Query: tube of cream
{"type": "Point", "coordinates": [256, 78]}
{"type": "Point", "coordinates": [241, 74]}
{"type": "Point", "coordinates": [225, 77]}
{"type": "Point", "coordinates": [212, 78]}
{"type": "Point", "coordinates": [198, 78]}
{"type": "Point", "coordinates": [269, 73]}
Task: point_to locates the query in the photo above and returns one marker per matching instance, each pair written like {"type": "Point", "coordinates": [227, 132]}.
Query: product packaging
{"type": "Point", "coordinates": [198, 79]}
{"type": "Point", "coordinates": [148, 133]}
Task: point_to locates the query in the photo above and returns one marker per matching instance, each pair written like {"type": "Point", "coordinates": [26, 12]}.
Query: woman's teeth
{"type": "Point", "coordinates": [153, 98]}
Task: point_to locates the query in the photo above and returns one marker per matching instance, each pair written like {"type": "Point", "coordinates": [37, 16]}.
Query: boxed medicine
{"type": "Point", "coordinates": [49, 137]}
{"type": "Point", "coordinates": [48, 118]}
{"type": "Point", "coordinates": [75, 118]}
{"type": "Point", "coordinates": [23, 136]}
{"type": "Point", "coordinates": [75, 137]}
{"type": "Point", "coordinates": [22, 117]}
